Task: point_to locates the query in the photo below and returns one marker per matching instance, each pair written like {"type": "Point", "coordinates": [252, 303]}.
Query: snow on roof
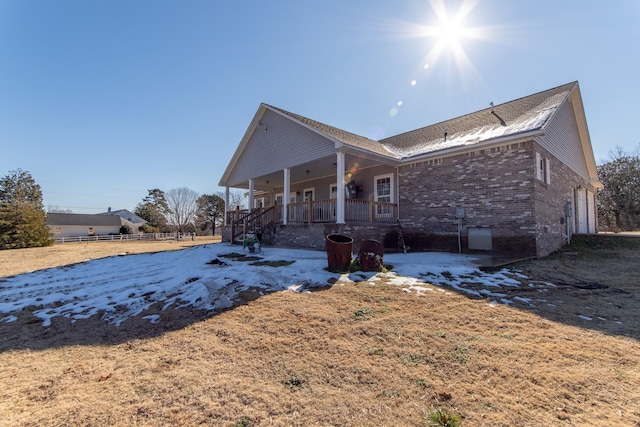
{"type": "Point", "coordinates": [515, 117]}
{"type": "Point", "coordinates": [509, 119]}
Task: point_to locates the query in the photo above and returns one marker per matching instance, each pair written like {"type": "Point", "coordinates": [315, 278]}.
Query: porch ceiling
{"type": "Point", "coordinates": [316, 169]}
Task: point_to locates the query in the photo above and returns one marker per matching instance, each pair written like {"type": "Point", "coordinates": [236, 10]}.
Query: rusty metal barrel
{"type": "Point", "coordinates": [338, 249]}
{"type": "Point", "coordinates": [371, 255]}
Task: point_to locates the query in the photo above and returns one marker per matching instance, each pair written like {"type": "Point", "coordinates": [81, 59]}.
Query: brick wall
{"type": "Point", "coordinates": [498, 189]}
{"type": "Point", "coordinates": [550, 201]}
{"type": "Point", "coordinates": [495, 187]}
{"type": "Point", "coordinates": [313, 236]}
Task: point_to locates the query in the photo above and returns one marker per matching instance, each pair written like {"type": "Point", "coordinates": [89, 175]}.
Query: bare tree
{"type": "Point", "coordinates": [181, 207]}
{"type": "Point", "coordinates": [57, 209]}
{"type": "Point", "coordinates": [236, 198]}
{"type": "Point", "coordinates": [619, 200]}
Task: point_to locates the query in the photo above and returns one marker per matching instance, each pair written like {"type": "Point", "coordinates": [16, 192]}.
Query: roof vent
{"type": "Point", "coordinates": [491, 103]}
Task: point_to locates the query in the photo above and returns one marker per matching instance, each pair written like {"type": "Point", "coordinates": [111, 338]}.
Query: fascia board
{"type": "Point", "coordinates": [585, 139]}
{"type": "Point", "coordinates": [461, 149]}
{"type": "Point", "coordinates": [350, 149]}
{"type": "Point", "coordinates": [243, 143]}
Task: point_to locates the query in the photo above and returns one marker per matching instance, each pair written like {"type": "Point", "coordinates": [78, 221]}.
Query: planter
{"type": "Point", "coordinates": [338, 249]}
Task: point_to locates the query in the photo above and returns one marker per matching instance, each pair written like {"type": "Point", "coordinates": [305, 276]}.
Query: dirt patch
{"type": "Point", "coordinates": [357, 354]}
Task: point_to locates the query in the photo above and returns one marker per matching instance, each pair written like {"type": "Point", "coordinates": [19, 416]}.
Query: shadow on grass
{"type": "Point", "coordinates": [594, 283]}
{"type": "Point", "coordinates": [26, 331]}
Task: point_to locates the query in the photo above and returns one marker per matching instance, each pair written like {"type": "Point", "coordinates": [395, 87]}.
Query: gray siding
{"type": "Point", "coordinates": [284, 144]}
{"type": "Point", "coordinates": [562, 139]}
{"type": "Point", "coordinates": [362, 177]}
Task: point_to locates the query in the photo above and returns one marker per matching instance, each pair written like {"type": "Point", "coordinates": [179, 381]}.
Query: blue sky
{"type": "Point", "coordinates": [103, 100]}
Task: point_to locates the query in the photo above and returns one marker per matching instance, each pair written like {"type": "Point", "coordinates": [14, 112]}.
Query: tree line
{"type": "Point", "coordinates": [619, 199]}
{"type": "Point", "coordinates": [183, 210]}
{"type": "Point", "coordinates": [23, 217]}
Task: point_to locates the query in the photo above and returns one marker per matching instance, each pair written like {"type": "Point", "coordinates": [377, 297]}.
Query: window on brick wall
{"type": "Point", "coordinates": [543, 170]}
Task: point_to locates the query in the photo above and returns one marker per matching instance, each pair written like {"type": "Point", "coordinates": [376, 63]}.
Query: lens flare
{"type": "Point", "coordinates": [448, 33]}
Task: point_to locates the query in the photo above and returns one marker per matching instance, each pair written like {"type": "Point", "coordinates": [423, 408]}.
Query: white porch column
{"type": "Point", "coordinates": [250, 194]}
{"type": "Point", "coordinates": [340, 203]}
{"type": "Point", "coordinates": [226, 204]}
{"type": "Point", "coordinates": [285, 196]}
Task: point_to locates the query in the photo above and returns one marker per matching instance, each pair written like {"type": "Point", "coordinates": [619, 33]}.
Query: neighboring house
{"type": "Point", "coordinates": [131, 220]}
{"type": "Point", "coordinates": [516, 178]}
{"type": "Point", "coordinates": [74, 225]}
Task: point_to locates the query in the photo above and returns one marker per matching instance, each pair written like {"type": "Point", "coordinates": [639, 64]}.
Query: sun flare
{"type": "Point", "coordinates": [450, 32]}
{"type": "Point", "coordinates": [447, 33]}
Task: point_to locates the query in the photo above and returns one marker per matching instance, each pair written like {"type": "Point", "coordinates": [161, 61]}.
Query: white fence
{"type": "Point", "coordinates": [123, 237]}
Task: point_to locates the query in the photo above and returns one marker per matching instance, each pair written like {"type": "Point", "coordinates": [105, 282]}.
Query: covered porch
{"type": "Point", "coordinates": [296, 171]}
{"type": "Point", "coordinates": [241, 221]}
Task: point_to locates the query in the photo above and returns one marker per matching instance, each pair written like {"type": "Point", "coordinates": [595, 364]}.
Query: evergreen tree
{"type": "Point", "coordinates": [210, 212]}
{"type": "Point", "coordinates": [22, 215]}
{"type": "Point", "coordinates": [153, 209]}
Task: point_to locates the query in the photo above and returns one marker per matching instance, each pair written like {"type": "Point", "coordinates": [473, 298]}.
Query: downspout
{"type": "Point", "coordinates": [398, 191]}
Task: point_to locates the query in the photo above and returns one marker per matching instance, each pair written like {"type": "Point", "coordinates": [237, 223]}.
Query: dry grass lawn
{"type": "Point", "coordinates": [353, 354]}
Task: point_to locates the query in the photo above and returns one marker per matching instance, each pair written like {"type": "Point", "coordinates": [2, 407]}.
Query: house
{"type": "Point", "coordinates": [516, 178]}
{"type": "Point", "coordinates": [74, 225]}
{"type": "Point", "coordinates": [131, 220]}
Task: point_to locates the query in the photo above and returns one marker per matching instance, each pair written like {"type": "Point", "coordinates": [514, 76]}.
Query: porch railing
{"type": "Point", "coordinates": [250, 221]}
{"type": "Point", "coordinates": [317, 211]}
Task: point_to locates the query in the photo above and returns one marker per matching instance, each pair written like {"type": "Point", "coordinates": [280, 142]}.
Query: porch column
{"type": "Point", "coordinates": [250, 194]}
{"type": "Point", "coordinates": [226, 204]}
{"type": "Point", "coordinates": [340, 203]}
{"type": "Point", "coordinates": [285, 196]}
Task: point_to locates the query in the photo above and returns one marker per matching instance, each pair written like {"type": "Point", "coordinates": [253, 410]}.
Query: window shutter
{"type": "Point", "coordinates": [547, 170]}
{"type": "Point", "coordinates": [538, 171]}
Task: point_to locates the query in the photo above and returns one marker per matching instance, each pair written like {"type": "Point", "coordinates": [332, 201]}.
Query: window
{"type": "Point", "coordinates": [308, 194]}
{"type": "Point", "coordinates": [384, 193]}
{"type": "Point", "coordinates": [333, 191]}
{"type": "Point", "coordinates": [543, 170]}
{"type": "Point", "coordinates": [292, 208]}
{"type": "Point", "coordinates": [258, 202]}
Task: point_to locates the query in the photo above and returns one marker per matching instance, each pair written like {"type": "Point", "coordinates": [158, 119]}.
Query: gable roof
{"type": "Point", "coordinates": [525, 117]}
{"type": "Point", "coordinates": [127, 215]}
{"type": "Point", "coordinates": [521, 116]}
{"type": "Point", "coordinates": [85, 220]}
{"type": "Point", "coordinates": [342, 136]}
